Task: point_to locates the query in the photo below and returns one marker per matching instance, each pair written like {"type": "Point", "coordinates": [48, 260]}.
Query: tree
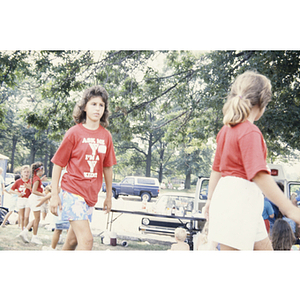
{"type": "Point", "coordinates": [174, 107]}
{"type": "Point", "coordinates": [279, 123]}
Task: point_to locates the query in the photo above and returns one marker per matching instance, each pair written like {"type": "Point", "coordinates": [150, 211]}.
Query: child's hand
{"type": "Point", "coordinates": [44, 178]}
{"type": "Point", "coordinates": [107, 205]}
{"type": "Point", "coordinates": [54, 203]}
{"type": "Point", "coordinates": [27, 185]}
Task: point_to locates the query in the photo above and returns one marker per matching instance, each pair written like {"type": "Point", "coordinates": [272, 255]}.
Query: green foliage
{"type": "Point", "coordinates": [279, 123]}
{"type": "Point", "coordinates": [161, 116]}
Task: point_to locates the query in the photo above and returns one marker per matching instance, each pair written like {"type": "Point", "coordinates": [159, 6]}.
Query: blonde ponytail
{"type": "Point", "coordinates": [236, 110]}
{"type": "Point", "coordinates": [249, 89]}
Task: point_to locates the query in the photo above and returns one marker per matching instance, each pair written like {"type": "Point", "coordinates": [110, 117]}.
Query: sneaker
{"type": "Point", "coordinates": [23, 236]}
{"type": "Point", "coordinates": [46, 248]}
{"type": "Point", "coordinates": [36, 240]}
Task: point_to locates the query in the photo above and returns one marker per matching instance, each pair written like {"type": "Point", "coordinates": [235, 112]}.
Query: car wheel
{"type": "Point", "coordinates": [145, 196]}
{"type": "Point", "coordinates": [114, 194]}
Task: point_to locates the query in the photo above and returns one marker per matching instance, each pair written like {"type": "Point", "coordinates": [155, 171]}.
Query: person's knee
{"type": "Point", "coordinates": [72, 242]}
{"type": "Point", "coordinates": [86, 242]}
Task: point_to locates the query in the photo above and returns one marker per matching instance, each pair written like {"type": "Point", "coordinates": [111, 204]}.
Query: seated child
{"type": "Point", "coordinates": [180, 237]}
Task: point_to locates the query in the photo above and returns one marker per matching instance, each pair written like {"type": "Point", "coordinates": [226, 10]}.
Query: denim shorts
{"type": "Point", "coordinates": [74, 207]}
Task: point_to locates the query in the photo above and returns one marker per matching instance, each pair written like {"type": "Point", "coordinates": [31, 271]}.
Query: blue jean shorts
{"type": "Point", "coordinates": [74, 207]}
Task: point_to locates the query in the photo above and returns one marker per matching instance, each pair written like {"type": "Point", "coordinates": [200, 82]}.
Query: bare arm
{"type": "Point", "coordinates": [213, 181]}
{"type": "Point", "coordinates": [44, 199]}
{"type": "Point", "coordinates": [55, 200]}
{"type": "Point", "coordinates": [271, 190]}
{"type": "Point", "coordinates": [15, 192]}
{"type": "Point", "coordinates": [34, 189]}
{"type": "Point", "coordinates": [108, 176]}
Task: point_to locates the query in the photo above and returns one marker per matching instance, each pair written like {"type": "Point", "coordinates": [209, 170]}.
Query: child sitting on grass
{"type": "Point", "coordinates": [180, 237]}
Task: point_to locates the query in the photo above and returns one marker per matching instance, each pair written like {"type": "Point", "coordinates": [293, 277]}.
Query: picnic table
{"type": "Point", "coordinates": [191, 230]}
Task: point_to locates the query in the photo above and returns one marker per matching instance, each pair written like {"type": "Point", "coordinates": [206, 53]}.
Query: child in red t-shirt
{"type": "Point", "coordinates": [37, 191]}
{"type": "Point", "coordinates": [240, 175]}
{"type": "Point", "coordinates": [21, 187]}
{"type": "Point", "coordinates": [87, 152]}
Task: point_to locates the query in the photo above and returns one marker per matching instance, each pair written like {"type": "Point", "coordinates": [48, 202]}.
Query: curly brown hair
{"type": "Point", "coordinates": [79, 115]}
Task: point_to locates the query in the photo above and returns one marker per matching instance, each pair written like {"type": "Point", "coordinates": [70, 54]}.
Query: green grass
{"type": "Point", "coordinates": [10, 242]}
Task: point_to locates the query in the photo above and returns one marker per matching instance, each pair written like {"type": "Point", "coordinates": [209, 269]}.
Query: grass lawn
{"type": "Point", "coordinates": [10, 241]}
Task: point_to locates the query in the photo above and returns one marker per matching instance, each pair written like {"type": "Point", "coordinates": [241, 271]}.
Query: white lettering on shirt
{"type": "Point", "coordinates": [92, 159]}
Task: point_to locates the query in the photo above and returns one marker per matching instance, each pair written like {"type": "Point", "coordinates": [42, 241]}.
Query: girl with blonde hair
{"type": "Point", "coordinates": [21, 187]}
{"type": "Point", "coordinates": [240, 175]}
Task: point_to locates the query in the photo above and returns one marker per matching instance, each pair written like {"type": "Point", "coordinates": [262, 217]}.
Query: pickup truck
{"type": "Point", "coordinates": [145, 187]}
{"type": "Point", "coordinates": [196, 203]}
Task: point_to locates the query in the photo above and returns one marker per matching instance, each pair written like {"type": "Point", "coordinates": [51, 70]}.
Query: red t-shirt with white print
{"type": "Point", "coordinates": [40, 186]}
{"type": "Point", "coordinates": [241, 151]}
{"type": "Point", "coordinates": [85, 152]}
{"type": "Point", "coordinates": [19, 186]}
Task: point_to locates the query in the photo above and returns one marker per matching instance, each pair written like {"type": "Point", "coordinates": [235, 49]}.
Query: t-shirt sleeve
{"type": "Point", "coordinates": [63, 153]}
{"type": "Point", "coordinates": [110, 157]}
{"type": "Point", "coordinates": [15, 186]}
{"type": "Point", "coordinates": [253, 152]}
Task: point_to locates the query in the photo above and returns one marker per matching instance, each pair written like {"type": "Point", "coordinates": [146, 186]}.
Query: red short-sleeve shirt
{"type": "Point", "coordinates": [241, 151]}
{"type": "Point", "coordinates": [19, 185]}
{"type": "Point", "coordinates": [40, 186]}
{"type": "Point", "coordinates": [85, 152]}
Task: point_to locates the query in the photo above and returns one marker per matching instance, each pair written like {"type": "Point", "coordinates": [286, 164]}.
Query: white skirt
{"type": "Point", "coordinates": [235, 214]}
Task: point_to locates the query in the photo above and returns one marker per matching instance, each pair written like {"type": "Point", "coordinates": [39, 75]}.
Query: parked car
{"type": "Point", "coordinates": [177, 204]}
{"type": "Point", "coordinates": [145, 187]}
{"type": "Point", "coordinates": [9, 178]}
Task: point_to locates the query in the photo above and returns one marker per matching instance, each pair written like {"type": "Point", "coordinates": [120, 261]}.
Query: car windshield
{"type": "Point", "coordinates": [167, 202]}
{"type": "Point", "coordinates": [9, 176]}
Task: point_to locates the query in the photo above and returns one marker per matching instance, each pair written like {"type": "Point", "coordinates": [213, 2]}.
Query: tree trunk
{"type": "Point", "coordinates": [148, 166]}
{"type": "Point", "coordinates": [187, 184]}
{"type": "Point", "coordinates": [161, 159]}
{"type": "Point", "coordinates": [46, 158]}
{"type": "Point", "coordinates": [52, 152]}
{"type": "Point", "coordinates": [32, 152]}
{"type": "Point", "coordinates": [13, 150]}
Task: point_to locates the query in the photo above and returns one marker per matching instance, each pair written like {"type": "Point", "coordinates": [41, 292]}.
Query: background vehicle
{"type": "Point", "coordinates": [177, 204]}
{"type": "Point", "coordinates": [9, 178]}
{"type": "Point", "coordinates": [277, 172]}
{"type": "Point", "coordinates": [145, 187]}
